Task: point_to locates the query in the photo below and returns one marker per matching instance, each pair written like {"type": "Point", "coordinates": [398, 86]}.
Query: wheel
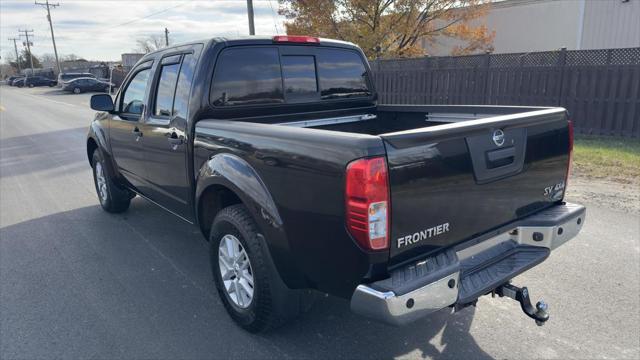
{"type": "Point", "coordinates": [77, 90]}
{"type": "Point", "coordinates": [248, 283]}
{"type": "Point", "coordinates": [52, 84]}
{"type": "Point", "coordinates": [112, 198]}
{"type": "Point", "coordinates": [20, 85]}
{"type": "Point", "coordinates": [31, 85]}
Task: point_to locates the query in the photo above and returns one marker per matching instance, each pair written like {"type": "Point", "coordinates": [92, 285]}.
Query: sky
{"type": "Point", "coordinates": [102, 30]}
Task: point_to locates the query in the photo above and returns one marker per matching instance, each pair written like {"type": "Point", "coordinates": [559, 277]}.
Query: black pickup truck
{"type": "Point", "coordinates": [277, 149]}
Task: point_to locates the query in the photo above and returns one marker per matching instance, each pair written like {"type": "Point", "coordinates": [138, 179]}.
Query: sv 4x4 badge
{"type": "Point", "coordinates": [554, 192]}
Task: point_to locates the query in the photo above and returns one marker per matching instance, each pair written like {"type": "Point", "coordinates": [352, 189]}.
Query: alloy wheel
{"type": "Point", "coordinates": [236, 271]}
{"type": "Point", "coordinates": [101, 183]}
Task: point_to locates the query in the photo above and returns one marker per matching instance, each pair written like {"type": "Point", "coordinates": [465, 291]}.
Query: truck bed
{"type": "Point", "coordinates": [459, 171]}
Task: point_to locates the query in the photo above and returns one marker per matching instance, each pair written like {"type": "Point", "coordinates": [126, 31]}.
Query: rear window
{"type": "Point", "coordinates": [342, 74]}
{"type": "Point", "coordinates": [261, 75]}
{"type": "Point", "coordinates": [247, 76]}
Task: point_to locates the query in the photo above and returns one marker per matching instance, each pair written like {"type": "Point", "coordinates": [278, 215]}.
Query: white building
{"type": "Point", "coordinates": [541, 25]}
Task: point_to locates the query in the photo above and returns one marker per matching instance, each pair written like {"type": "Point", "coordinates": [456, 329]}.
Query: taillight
{"type": "Point", "coordinates": [367, 202]}
{"type": "Point", "coordinates": [296, 39]}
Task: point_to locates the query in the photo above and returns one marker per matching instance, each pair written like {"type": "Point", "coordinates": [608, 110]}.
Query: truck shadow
{"type": "Point", "coordinates": [141, 283]}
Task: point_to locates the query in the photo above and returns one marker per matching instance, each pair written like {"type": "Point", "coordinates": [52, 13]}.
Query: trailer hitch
{"type": "Point", "coordinates": [521, 295]}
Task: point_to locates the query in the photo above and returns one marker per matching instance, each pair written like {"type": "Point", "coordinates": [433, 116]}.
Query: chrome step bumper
{"type": "Point", "coordinates": [475, 268]}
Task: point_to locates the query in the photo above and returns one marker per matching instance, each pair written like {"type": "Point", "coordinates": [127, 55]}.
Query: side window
{"type": "Point", "coordinates": [342, 74]}
{"type": "Point", "coordinates": [299, 74]}
{"type": "Point", "coordinates": [166, 89]}
{"type": "Point", "coordinates": [133, 96]}
{"type": "Point", "coordinates": [181, 103]}
{"type": "Point", "coordinates": [246, 76]}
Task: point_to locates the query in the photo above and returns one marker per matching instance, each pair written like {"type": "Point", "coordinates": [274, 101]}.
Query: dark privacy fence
{"type": "Point", "coordinates": [599, 88]}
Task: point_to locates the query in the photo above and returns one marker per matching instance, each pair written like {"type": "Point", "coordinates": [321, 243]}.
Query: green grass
{"type": "Point", "coordinates": [613, 159]}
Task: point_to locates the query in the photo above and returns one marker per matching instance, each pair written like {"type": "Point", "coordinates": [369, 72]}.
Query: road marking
{"type": "Point", "coordinates": [41, 97]}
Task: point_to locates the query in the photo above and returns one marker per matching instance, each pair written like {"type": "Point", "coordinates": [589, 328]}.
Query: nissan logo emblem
{"type": "Point", "coordinates": [498, 137]}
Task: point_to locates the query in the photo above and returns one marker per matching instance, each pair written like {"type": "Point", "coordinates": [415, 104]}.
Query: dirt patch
{"type": "Point", "coordinates": [610, 194]}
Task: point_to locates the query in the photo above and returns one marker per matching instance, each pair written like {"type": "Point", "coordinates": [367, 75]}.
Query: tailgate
{"type": "Point", "coordinates": [451, 182]}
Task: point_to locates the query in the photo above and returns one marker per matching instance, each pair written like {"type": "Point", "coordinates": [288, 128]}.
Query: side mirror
{"type": "Point", "coordinates": [102, 102]}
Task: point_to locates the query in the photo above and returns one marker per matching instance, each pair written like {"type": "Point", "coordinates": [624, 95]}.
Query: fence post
{"type": "Point", "coordinates": [562, 62]}
{"type": "Point", "coordinates": [487, 64]}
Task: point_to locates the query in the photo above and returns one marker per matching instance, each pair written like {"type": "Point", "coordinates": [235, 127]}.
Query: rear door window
{"type": "Point", "coordinates": [245, 76]}
{"type": "Point", "coordinates": [166, 89]}
{"type": "Point", "coordinates": [181, 102]}
{"type": "Point", "coordinates": [341, 74]}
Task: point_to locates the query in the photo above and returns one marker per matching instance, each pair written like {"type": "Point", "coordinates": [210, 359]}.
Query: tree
{"type": "Point", "coordinates": [71, 57]}
{"type": "Point", "coordinates": [48, 60]}
{"type": "Point", "coordinates": [25, 63]}
{"type": "Point", "coordinates": [392, 28]}
{"type": "Point", "coordinates": [149, 43]}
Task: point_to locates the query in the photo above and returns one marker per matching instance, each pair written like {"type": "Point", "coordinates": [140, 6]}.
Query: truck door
{"type": "Point", "coordinates": [125, 129]}
{"type": "Point", "coordinates": [165, 143]}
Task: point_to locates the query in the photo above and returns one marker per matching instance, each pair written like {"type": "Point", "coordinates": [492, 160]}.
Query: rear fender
{"type": "Point", "coordinates": [236, 174]}
{"type": "Point", "coordinates": [239, 176]}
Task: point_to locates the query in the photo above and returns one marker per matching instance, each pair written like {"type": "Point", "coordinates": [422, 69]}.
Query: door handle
{"type": "Point", "coordinates": [137, 133]}
{"type": "Point", "coordinates": [174, 139]}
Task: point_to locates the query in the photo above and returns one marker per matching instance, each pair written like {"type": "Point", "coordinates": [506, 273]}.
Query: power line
{"type": "Point", "coordinates": [55, 49]}
{"type": "Point", "coordinates": [273, 16]}
{"type": "Point", "coordinates": [150, 15]}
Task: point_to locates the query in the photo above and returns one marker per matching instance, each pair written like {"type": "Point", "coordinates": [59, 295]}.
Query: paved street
{"type": "Point", "coordinates": [76, 282]}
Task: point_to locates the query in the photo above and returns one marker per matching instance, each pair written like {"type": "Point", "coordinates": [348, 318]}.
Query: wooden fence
{"type": "Point", "coordinates": [599, 88]}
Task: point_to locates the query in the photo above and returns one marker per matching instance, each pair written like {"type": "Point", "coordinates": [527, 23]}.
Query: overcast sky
{"type": "Point", "coordinates": [102, 30]}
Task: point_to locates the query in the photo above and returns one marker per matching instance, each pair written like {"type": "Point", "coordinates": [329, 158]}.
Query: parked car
{"type": "Point", "coordinates": [80, 85]}
{"type": "Point", "coordinates": [33, 81]}
{"type": "Point", "coordinates": [64, 77]}
{"type": "Point", "coordinates": [13, 78]}
{"type": "Point", "coordinates": [277, 150]}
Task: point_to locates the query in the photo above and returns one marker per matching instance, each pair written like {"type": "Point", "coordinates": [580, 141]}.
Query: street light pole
{"type": "Point", "coordinates": [252, 29]}
{"type": "Point", "coordinates": [53, 38]}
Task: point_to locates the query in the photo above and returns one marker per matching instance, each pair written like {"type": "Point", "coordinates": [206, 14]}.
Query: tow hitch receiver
{"type": "Point", "coordinates": [521, 295]}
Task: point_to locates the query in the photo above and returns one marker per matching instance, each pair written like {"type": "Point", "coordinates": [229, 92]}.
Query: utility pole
{"type": "Point", "coordinates": [55, 49]}
{"type": "Point", "coordinates": [26, 35]}
{"type": "Point", "coordinates": [17, 56]}
{"type": "Point", "coordinates": [252, 29]}
{"type": "Point", "coordinates": [166, 37]}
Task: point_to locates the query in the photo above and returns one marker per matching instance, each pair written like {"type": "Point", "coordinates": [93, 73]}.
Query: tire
{"type": "Point", "coordinates": [77, 90]}
{"type": "Point", "coordinates": [271, 303]}
{"type": "Point", "coordinates": [113, 199]}
{"type": "Point", "coordinates": [31, 85]}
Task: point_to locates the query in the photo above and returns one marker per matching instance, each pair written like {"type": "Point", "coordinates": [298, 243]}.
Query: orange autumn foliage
{"type": "Point", "coordinates": [392, 28]}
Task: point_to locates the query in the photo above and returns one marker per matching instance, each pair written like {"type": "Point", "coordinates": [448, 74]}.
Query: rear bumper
{"type": "Point", "coordinates": [475, 268]}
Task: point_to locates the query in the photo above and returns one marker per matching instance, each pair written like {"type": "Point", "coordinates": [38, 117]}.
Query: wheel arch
{"type": "Point", "coordinates": [92, 146]}
{"type": "Point", "coordinates": [214, 198]}
{"type": "Point", "coordinates": [226, 179]}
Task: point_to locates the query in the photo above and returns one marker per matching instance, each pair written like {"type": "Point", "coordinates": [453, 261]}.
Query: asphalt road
{"type": "Point", "coordinates": [76, 282]}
